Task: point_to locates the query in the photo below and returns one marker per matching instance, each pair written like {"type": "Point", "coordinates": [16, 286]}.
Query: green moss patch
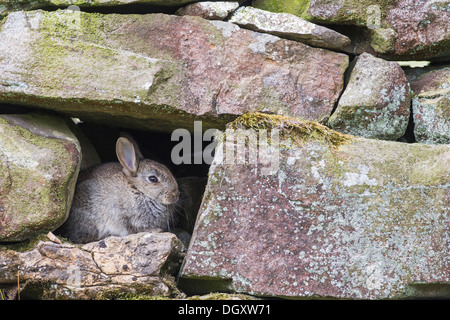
{"type": "Point", "coordinates": [24, 246]}
{"type": "Point", "coordinates": [296, 7]}
{"type": "Point", "coordinates": [295, 129]}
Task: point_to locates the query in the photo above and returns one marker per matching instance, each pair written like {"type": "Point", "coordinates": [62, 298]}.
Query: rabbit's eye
{"type": "Point", "coordinates": [153, 179]}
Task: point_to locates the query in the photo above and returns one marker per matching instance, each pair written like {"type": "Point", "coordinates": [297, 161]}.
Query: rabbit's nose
{"type": "Point", "coordinates": [176, 194]}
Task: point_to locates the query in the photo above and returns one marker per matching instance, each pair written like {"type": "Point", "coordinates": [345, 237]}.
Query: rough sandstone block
{"type": "Point", "coordinates": [342, 217]}
{"type": "Point", "coordinates": [160, 72]}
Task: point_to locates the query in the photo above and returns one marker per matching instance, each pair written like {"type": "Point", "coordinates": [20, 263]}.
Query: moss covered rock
{"type": "Point", "coordinates": [296, 7]}
{"type": "Point", "coordinates": [376, 101]}
{"type": "Point", "coordinates": [160, 72]}
{"type": "Point", "coordinates": [339, 217]}
{"type": "Point", "coordinates": [431, 103]}
{"type": "Point", "coordinates": [39, 164]}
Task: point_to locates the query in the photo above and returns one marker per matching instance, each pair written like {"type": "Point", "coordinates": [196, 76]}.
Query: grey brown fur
{"type": "Point", "coordinates": [120, 198]}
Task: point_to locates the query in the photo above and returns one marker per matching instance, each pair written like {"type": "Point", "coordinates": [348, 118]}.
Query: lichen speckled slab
{"type": "Point", "coordinates": [161, 72]}
{"type": "Point", "coordinates": [431, 103]}
{"type": "Point", "coordinates": [376, 102]}
{"type": "Point", "coordinates": [289, 26]}
{"type": "Point", "coordinates": [137, 265]}
{"type": "Point", "coordinates": [211, 10]}
{"type": "Point", "coordinates": [343, 217]}
{"type": "Point", "coordinates": [398, 30]}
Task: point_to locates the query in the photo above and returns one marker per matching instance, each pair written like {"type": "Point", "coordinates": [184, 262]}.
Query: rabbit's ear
{"type": "Point", "coordinates": [127, 156]}
{"type": "Point", "coordinates": [136, 147]}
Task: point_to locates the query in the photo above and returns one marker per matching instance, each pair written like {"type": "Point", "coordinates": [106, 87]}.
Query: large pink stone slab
{"type": "Point", "coordinates": [352, 219]}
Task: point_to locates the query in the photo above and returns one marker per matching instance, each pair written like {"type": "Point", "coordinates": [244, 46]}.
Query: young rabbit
{"type": "Point", "coordinates": [118, 199]}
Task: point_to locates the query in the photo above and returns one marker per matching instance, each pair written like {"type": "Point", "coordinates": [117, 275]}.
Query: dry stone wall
{"type": "Point", "coordinates": [330, 176]}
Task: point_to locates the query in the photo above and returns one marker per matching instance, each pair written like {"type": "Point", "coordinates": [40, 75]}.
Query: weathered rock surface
{"type": "Point", "coordinates": [431, 103]}
{"type": "Point", "coordinates": [376, 101]}
{"type": "Point", "coordinates": [211, 10]}
{"type": "Point", "coordinates": [111, 268]}
{"type": "Point", "coordinates": [401, 30]}
{"type": "Point", "coordinates": [342, 217]}
{"type": "Point", "coordinates": [289, 26]}
{"type": "Point", "coordinates": [39, 164]}
{"type": "Point", "coordinates": [296, 7]}
{"type": "Point", "coordinates": [161, 72]}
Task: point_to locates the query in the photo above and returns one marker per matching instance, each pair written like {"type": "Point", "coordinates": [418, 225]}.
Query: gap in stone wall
{"type": "Point", "coordinates": [121, 9]}
{"type": "Point", "coordinates": [157, 146]}
{"type": "Point", "coordinates": [6, 108]}
{"type": "Point", "coordinates": [409, 137]}
{"type": "Point", "coordinates": [154, 145]}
